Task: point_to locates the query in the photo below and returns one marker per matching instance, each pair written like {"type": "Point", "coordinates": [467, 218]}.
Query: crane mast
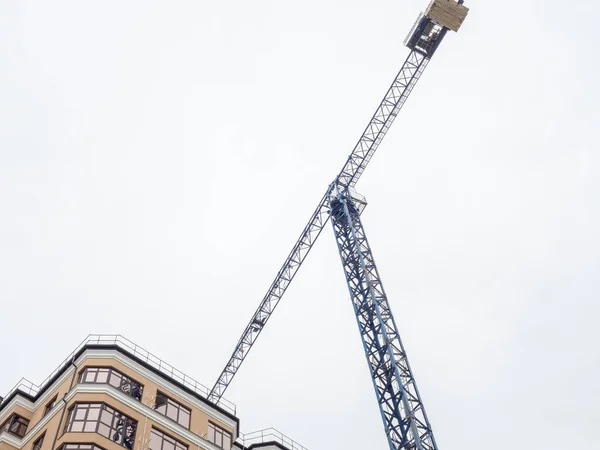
{"type": "Point", "coordinates": [400, 405]}
{"type": "Point", "coordinates": [405, 421]}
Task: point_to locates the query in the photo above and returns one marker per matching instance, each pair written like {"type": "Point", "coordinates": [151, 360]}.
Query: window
{"type": "Point", "coordinates": [50, 405]}
{"type": "Point", "coordinates": [37, 445]}
{"type": "Point", "coordinates": [108, 375]}
{"type": "Point", "coordinates": [104, 420]}
{"type": "Point", "coordinates": [16, 425]}
{"type": "Point", "coordinates": [173, 410]}
{"type": "Point", "coordinates": [80, 447]}
{"type": "Point", "coordinates": [219, 436]}
{"type": "Point", "coordinates": [161, 441]}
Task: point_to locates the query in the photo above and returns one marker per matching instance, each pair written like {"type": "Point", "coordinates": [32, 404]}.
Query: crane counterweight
{"type": "Point", "coordinates": [431, 26]}
{"type": "Point", "coordinates": [447, 13]}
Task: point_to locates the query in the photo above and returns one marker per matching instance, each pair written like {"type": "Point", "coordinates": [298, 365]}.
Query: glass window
{"type": "Point", "coordinates": [37, 445]}
{"type": "Point", "coordinates": [16, 425]}
{"type": "Point", "coordinates": [219, 436]}
{"type": "Point", "coordinates": [108, 375]}
{"type": "Point", "coordinates": [184, 417]}
{"type": "Point", "coordinates": [103, 375]}
{"type": "Point", "coordinates": [104, 420]}
{"type": "Point", "coordinates": [172, 409]}
{"type": "Point", "coordinates": [115, 379]}
{"type": "Point", "coordinates": [161, 441]}
{"type": "Point", "coordinates": [50, 405]}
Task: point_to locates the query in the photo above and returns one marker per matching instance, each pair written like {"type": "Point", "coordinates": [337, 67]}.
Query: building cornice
{"type": "Point", "coordinates": [133, 352]}
{"type": "Point", "coordinates": [31, 403]}
{"type": "Point", "coordinates": [32, 406]}
{"type": "Point", "coordinates": [159, 381]}
{"type": "Point", "coordinates": [20, 442]}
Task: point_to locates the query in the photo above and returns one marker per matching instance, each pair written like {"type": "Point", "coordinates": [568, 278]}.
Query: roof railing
{"type": "Point", "coordinates": [25, 386]}
{"type": "Point", "coordinates": [269, 435]}
{"type": "Point", "coordinates": [152, 360]}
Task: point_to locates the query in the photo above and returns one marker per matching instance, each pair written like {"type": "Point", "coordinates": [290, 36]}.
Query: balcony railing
{"type": "Point", "coordinates": [92, 340]}
{"type": "Point", "coordinates": [269, 435]}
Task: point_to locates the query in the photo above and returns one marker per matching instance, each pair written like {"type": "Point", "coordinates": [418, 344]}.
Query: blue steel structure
{"type": "Point", "coordinates": [405, 422]}
{"type": "Point", "coordinates": [402, 411]}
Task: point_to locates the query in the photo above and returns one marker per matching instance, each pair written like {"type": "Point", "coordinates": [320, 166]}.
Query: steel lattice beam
{"type": "Point", "coordinates": [355, 165]}
{"type": "Point", "coordinates": [383, 118]}
{"type": "Point", "coordinates": [404, 418]}
{"type": "Point", "coordinates": [267, 306]}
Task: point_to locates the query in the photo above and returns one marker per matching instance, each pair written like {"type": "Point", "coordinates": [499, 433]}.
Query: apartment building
{"type": "Point", "coordinates": [110, 394]}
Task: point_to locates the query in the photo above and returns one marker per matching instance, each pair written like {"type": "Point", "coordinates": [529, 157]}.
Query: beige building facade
{"type": "Point", "coordinates": [110, 394]}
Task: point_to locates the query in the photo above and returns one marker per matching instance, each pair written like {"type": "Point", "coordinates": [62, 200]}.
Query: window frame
{"type": "Point", "coordinates": [8, 424]}
{"type": "Point", "coordinates": [115, 428]}
{"type": "Point", "coordinates": [39, 440]}
{"type": "Point", "coordinates": [50, 405]}
{"type": "Point", "coordinates": [77, 446]}
{"type": "Point", "coordinates": [167, 435]}
{"type": "Point", "coordinates": [222, 431]}
{"type": "Point", "coordinates": [126, 384]}
{"type": "Point", "coordinates": [179, 406]}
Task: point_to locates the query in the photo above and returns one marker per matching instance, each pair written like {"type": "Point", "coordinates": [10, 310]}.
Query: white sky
{"type": "Point", "coordinates": [159, 159]}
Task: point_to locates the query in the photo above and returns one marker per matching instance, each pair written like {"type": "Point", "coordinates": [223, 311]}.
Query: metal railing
{"type": "Point", "coordinates": [269, 435]}
{"type": "Point", "coordinates": [25, 386]}
{"type": "Point", "coordinates": [412, 30]}
{"type": "Point", "coordinates": [92, 340]}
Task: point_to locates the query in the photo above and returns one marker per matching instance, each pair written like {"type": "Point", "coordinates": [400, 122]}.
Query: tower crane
{"type": "Point", "coordinates": [405, 421]}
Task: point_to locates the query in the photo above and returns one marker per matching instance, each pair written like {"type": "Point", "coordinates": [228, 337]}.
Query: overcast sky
{"type": "Point", "coordinates": [159, 159]}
